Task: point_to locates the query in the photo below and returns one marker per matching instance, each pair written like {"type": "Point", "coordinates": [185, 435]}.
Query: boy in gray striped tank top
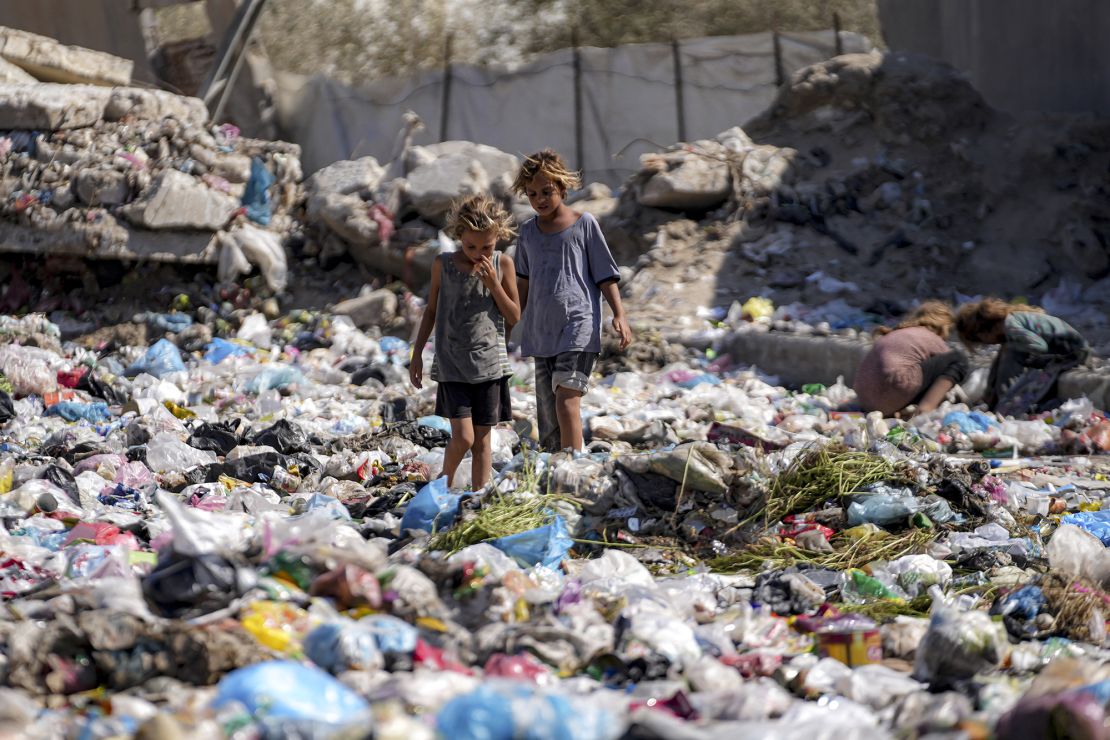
{"type": "Point", "coordinates": [472, 297]}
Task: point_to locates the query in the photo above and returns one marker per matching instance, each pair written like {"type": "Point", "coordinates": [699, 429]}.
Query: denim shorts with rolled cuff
{"type": "Point", "coordinates": [569, 370]}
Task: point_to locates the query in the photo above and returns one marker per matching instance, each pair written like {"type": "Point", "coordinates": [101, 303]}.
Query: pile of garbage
{"type": "Point", "coordinates": [247, 533]}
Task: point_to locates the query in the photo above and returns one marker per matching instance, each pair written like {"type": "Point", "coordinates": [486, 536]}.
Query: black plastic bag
{"type": "Point", "coordinates": [185, 586]}
{"type": "Point", "coordinates": [64, 480]}
{"type": "Point", "coordinates": [284, 436]}
{"type": "Point", "coordinates": [219, 437]}
{"type": "Point", "coordinates": [94, 386]}
{"type": "Point", "coordinates": [7, 407]}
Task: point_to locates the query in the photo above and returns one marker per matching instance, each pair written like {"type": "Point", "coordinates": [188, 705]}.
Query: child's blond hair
{"type": "Point", "coordinates": [479, 213]}
{"type": "Point", "coordinates": [976, 322]}
{"type": "Point", "coordinates": [936, 316]}
{"type": "Point", "coordinates": [548, 163]}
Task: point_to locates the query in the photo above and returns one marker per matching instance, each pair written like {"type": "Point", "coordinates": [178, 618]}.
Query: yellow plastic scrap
{"type": "Point", "coordinates": [278, 626]}
{"type": "Point", "coordinates": [757, 307]}
{"type": "Point", "coordinates": [178, 411]}
{"type": "Point", "coordinates": [865, 531]}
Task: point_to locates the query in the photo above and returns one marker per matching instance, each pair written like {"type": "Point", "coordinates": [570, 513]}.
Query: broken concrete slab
{"type": "Point", "coordinates": [500, 167]}
{"type": "Point", "coordinates": [348, 216]}
{"type": "Point", "coordinates": [51, 106]}
{"type": "Point", "coordinates": [108, 241]}
{"type": "Point", "coordinates": [102, 187]}
{"type": "Point", "coordinates": [177, 201]}
{"type": "Point", "coordinates": [372, 309]}
{"type": "Point", "coordinates": [11, 74]}
{"type": "Point", "coordinates": [346, 177]}
{"type": "Point", "coordinates": [50, 61]}
{"type": "Point", "coordinates": [155, 105]}
{"type": "Point", "coordinates": [433, 186]}
{"type": "Point", "coordinates": [685, 180]}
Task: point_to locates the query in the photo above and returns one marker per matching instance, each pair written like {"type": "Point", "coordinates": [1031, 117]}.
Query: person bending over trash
{"type": "Point", "coordinates": [563, 268]}
{"type": "Point", "coordinates": [911, 364]}
{"type": "Point", "coordinates": [473, 295]}
{"type": "Point", "coordinates": [1035, 349]}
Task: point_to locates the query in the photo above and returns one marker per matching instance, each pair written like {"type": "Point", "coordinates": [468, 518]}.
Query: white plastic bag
{"type": "Point", "coordinates": [166, 453]}
{"type": "Point", "coordinates": [256, 330]}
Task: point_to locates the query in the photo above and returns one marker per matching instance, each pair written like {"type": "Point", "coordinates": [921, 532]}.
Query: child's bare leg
{"type": "Point", "coordinates": [462, 439]}
{"type": "Point", "coordinates": [568, 408]}
{"type": "Point", "coordinates": [481, 456]}
{"type": "Point", "coordinates": [935, 395]}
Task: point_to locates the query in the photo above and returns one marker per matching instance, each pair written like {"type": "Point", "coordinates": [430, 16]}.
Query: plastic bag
{"type": "Point", "coordinates": [343, 646]}
{"type": "Point", "coordinates": [7, 407]}
{"type": "Point", "coordinates": [161, 359]}
{"type": "Point", "coordinates": [29, 369]}
{"type": "Point", "coordinates": [887, 506]}
{"type": "Point", "coordinates": [248, 245]}
{"type": "Point", "coordinates": [916, 573]}
{"type": "Point", "coordinates": [1094, 522]}
{"type": "Point", "coordinates": [969, 423]}
{"type": "Point", "coordinates": [74, 411]}
{"type": "Point", "coordinates": [218, 437]}
{"type": "Point", "coordinates": [274, 377]}
{"type": "Point", "coordinates": [1073, 714]}
{"type": "Point", "coordinates": [165, 453]}
{"type": "Point", "coordinates": [699, 464]}
{"type": "Point", "coordinates": [185, 586]}
{"type": "Point", "coordinates": [1079, 554]}
{"type": "Point", "coordinates": [219, 350]}
{"type": "Point", "coordinates": [256, 330]}
{"type": "Point", "coordinates": [256, 195]}
{"type": "Point", "coordinates": [958, 645]}
{"type": "Point", "coordinates": [507, 710]}
{"type": "Point", "coordinates": [546, 545]}
{"type": "Point", "coordinates": [284, 436]}
{"type": "Point", "coordinates": [283, 695]}
{"type": "Point", "coordinates": [433, 508]}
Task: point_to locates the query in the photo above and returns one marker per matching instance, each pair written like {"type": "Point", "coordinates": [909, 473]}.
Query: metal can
{"type": "Point", "coordinates": [852, 647]}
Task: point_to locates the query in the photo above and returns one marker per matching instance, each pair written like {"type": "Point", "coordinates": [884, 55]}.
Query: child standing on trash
{"type": "Point", "coordinates": [1035, 349]}
{"type": "Point", "coordinates": [911, 364]}
{"type": "Point", "coordinates": [473, 295]}
{"type": "Point", "coordinates": [563, 267]}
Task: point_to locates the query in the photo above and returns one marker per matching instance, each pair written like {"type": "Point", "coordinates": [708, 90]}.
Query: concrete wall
{"type": "Point", "coordinates": [1022, 55]}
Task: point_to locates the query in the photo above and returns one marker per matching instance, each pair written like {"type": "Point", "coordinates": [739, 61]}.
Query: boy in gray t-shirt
{"type": "Point", "coordinates": [563, 268]}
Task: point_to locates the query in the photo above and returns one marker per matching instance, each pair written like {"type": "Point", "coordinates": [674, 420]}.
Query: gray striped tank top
{"type": "Point", "coordinates": [470, 330]}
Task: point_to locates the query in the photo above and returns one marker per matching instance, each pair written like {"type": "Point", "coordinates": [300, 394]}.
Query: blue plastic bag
{"type": "Point", "coordinates": [488, 713]}
{"type": "Point", "coordinates": [75, 411]}
{"type": "Point", "coordinates": [883, 505]}
{"type": "Point", "coordinates": [435, 422]}
{"type": "Point", "coordinates": [1095, 522]}
{"type": "Point", "coordinates": [256, 196]}
{"type": "Point", "coordinates": [433, 508]}
{"type": "Point", "coordinates": [545, 546]}
{"type": "Point", "coordinates": [393, 635]}
{"type": "Point", "coordinates": [161, 359]}
{"type": "Point", "coordinates": [343, 646]}
{"type": "Point", "coordinates": [333, 506]}
{"type": "Point", "coordinates": [174, 323]}
{"type": "Point", "coordinates": [219, 350]}
{"type": "Point", "coordinates": [284, 690]}
{"type": "Point", "coordinates": [969, 423]}
{"type": "Point", "coordinates": [272, 377]}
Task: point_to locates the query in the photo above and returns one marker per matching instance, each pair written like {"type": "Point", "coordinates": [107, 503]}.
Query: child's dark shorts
{"type": "Point", "coordinates": [485, 404]}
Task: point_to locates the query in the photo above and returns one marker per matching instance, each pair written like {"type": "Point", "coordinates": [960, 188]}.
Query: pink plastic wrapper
{"type": "Point", "coordinates": [521, 667]}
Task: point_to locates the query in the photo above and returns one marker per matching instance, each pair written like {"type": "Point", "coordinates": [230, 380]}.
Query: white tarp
{"type": "Point", "coordinates": [628, 101]}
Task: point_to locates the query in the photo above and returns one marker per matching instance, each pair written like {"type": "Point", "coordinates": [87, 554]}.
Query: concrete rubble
{"type": "Point", "coordinates": [49, 61]}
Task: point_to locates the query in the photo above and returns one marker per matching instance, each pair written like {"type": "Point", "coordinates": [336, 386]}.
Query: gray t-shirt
{"type": "Point", "coordinates": [563, 271]}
